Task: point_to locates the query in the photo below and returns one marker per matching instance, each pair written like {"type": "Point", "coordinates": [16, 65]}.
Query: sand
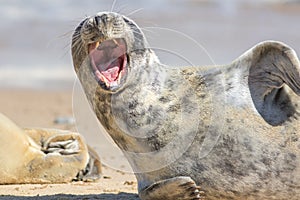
{"type": "Point", "coordinates": [37, 108]}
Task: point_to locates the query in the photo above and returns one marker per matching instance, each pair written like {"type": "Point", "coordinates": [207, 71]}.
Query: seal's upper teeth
{"type": "Point", "coordinates": [106, 81]}
{"type": "Point", "coordinates": [113, 84]}
{"type": "Point", "coordinates": [115, 41]}
{"type": "Point", "coordinates": [119, 78]}
{"type": "Point", "coordinates": [93, 46]}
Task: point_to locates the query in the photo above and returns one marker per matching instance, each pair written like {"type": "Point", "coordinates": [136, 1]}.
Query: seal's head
{"type": "Point", "coordinates": [107, 42]}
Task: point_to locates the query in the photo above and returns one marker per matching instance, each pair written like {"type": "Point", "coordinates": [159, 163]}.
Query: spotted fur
{"type": "Point", "coordinates": [242, 118]}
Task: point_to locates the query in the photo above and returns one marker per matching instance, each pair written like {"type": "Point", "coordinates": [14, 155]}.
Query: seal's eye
{"type": "Point", "coordinates": [109, 61]}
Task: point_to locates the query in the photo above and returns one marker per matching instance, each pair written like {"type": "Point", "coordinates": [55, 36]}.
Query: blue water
{"type": "Point", "coordinates": [35, 35]}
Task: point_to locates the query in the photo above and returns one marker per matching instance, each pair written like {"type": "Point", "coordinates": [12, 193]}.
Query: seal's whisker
{"type": "Point", "coordinates": [75, 42]}
{"type": "Point", "coordinates": [76, 37]}
{"type": "Point", "coordinates": [145, 29]}
{"type": "Point", "coordinates": [121, 9]}
{"type": "Point", "coordinates": [134, 12]}
{"type": "Point", "coordinates": [66, 34]}
{"type": "Point", "coordinates": [150, 24]}
{"type": "Point", "coordinates": [151, 35]}
{"type": "Point", "coordinates": [67, 50]}
{"type": "Point", "coordinates": [151, 32]}
{"type": "Point", "coordinates": [149, 28]}
{"type": "Point", "coordinates": [78, 45]}
{"type": "Point", "coordinates": [138, 39]}
{"type": "Point", "coordinates": [139, 33]}
{"type": "Point", "coordinates": [67, 46]}
{"type": "Point", "coordinates": [113, 6]}
{"type": "Point", "coordinates": [79, 48]}
{"type": "Point", "coordinates": [77, 51]}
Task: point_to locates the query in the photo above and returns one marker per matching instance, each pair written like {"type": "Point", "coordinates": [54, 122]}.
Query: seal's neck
{"type": "Point", "coordinates": [121, 112]}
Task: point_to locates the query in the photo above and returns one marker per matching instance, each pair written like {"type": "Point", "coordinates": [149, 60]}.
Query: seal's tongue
{"type": "Point", "coordinates": [108, 60]}
{"type": "Point", "coordinates": [111, 74]}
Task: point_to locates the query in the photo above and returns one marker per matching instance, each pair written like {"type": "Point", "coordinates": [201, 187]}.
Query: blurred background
{"type": "Point", "coordinates": [35, 35]}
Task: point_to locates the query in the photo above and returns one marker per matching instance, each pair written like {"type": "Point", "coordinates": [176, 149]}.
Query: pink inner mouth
{"type": "Point", "coordinates": [109, 61]}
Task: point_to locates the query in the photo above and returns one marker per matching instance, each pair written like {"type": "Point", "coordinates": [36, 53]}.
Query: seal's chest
{"type": "Point", "coordinates": [140, 113]}
{"type": "Point", "coordinates": [148, 111]}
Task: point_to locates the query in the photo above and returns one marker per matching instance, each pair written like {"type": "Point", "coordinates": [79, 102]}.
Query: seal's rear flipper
{"type": "Point", "coordinates": [68, 152]}
{"type": "Point", "coordinates": [273, 72]}
{"type": "Point", "coordinates": [180, 187]}
{"type": "Point", "coordinates": [93, 170]}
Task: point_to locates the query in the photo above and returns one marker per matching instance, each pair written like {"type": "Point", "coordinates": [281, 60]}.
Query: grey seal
{"type": "Point", "coordinates": [34, 155]}
{"type": "Point", "coordinates": [240, 120]}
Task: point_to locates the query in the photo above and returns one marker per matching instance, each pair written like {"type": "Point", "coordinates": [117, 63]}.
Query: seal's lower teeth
{"type": "Point", "coordinates": [111, 74]}
{"type": "Point", "coordinates": [119, 78]}
{"type": "Point", "coordinates": [114, 84]}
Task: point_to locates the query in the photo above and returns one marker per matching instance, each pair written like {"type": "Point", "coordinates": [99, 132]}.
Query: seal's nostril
{"type": "Point", "coordinates": [103, 18]}
{"type": "Point", "coordinates": [97, 21]}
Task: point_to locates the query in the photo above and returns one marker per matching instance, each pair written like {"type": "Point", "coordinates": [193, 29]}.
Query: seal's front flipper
{"type": "Point", "coordinates": [180, 188]}
{"type": "Point", "coordinates": [93, 170]}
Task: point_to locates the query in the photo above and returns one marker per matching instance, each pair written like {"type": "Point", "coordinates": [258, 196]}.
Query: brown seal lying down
{"type": "Point", "coordinates": [44, 156]}
{"type": "Point", "coordinates": [232, 130]}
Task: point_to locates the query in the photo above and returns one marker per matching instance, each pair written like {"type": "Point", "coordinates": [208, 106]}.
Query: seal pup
{"type": "Point", "coordinates": [44, 156]}
{"type": "Point", "coordinates": [232, 130]}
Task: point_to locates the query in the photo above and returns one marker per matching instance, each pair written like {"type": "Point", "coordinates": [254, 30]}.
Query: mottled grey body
{"type": "Point", "coordinates": [241, 119]}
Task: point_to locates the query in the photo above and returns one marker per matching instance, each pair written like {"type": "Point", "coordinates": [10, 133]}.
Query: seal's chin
{"type": "Point", "coordinates": [109, 62]}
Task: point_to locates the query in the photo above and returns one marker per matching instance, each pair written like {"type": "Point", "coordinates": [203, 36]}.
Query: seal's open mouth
{"type": "Point", "coordinates": [109, 61]}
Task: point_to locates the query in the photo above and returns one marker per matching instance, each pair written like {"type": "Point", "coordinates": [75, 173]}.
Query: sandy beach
{"type": "Point", "coordinates": [37, 108]}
